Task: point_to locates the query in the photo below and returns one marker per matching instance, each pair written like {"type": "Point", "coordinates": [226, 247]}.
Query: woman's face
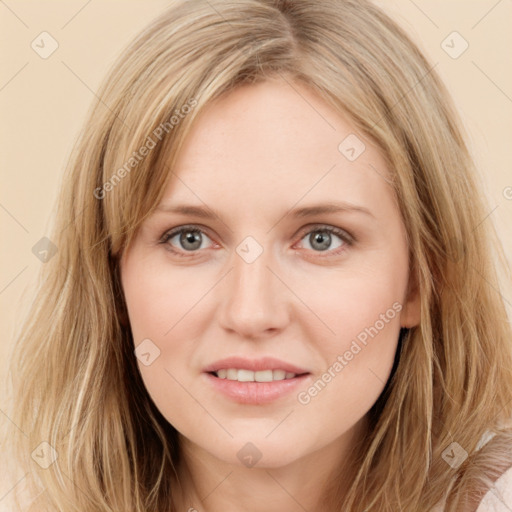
{"type": "Point", "coordinates": [265, 280]}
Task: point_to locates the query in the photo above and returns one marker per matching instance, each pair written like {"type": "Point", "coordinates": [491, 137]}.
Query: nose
{"type": "Point", "coordinates": [256, 302]}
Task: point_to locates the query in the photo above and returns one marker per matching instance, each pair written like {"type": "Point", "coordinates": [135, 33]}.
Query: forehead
{"type": "Point", "coordinates": [274, 142]}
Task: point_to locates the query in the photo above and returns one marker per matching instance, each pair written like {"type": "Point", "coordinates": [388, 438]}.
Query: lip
{"type": "Point", "coordinates": [263, 363]}
{"type": "Point", "coordinates": [255, 393]}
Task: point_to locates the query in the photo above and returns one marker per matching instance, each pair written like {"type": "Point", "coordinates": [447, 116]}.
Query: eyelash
{"type": "Point", "coordinates": [348, 240]}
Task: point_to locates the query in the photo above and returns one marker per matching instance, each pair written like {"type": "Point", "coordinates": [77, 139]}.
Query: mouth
{"type": "Point", "coordinates": [254, 381]}
{"type": "Point", "coordinates": [243, 375]}
{"type": "Point", "coordinates": [243, 387]}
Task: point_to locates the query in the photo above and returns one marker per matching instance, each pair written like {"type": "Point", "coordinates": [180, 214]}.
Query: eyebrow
{"type": "Point", "coordinates": [305, 211]}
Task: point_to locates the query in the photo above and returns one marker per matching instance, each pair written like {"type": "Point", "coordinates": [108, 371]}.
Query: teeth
{"type": "Point", "coordinates": [278, 374]}
{"type": "Point", "coordinates": [250, 376]}
{"type": "Point", "coordinates": [232, 374]}
{"type": "Point", "coordinates": [264, 376]}
{"type": "Point", "coordinates": [245, 376]}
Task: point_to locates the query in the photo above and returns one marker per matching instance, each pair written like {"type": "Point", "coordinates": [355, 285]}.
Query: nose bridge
{"type": "Point", "coordinates": [254, 302]}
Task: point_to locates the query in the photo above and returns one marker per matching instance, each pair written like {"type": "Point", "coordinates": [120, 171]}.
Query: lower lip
{"type": "Point", "coordinates": [255, 393]}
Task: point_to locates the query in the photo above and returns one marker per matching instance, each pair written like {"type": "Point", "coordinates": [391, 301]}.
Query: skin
{"type": "Point", "coordinates": [254, 155]}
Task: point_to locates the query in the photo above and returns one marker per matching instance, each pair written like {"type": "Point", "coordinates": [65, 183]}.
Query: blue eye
{"type": "Point", "coordinates": [320, 239]}
{"type": "Point", "coordinates": [190, 239]}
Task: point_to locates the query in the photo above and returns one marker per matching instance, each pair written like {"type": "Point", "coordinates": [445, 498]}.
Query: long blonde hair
{"type": "Point", "coordinates": [75, 380]}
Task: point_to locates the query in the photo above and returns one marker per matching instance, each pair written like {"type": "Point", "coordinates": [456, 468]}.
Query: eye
{"type": "Point", "coordinates": [188, 238]}
{"type": "Point", "coordinates": [320, 239]}
{"type": "Point", "coordinates": [191, 239]}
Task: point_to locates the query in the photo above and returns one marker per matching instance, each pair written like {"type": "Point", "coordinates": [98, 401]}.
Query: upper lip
{"type": "Point", "coordinates": [263, 363]}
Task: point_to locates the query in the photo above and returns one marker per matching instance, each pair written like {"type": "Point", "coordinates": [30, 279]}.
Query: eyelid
{"type": "Point", "coordinates": [347, 239]}
{"type": "Point", "coordinates": [171, 233]}
{"type": "Point", "coordinates": [342, 233]}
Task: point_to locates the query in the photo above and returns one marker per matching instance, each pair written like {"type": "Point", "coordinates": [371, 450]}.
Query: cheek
{"type": "Point", "coordinates": [353, 303]}
{"type": "Point", "coordinates": [362, 312]}
{"type": "Point", "coordinates": [159, 298]}
{"type": "Point", "coordinates": [167, 313]}
{"type": "Point", "coordinates": [163, 313]}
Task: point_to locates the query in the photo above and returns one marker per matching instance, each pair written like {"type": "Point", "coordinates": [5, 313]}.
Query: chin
{"type": "Point", "coordinates": [256, 454]}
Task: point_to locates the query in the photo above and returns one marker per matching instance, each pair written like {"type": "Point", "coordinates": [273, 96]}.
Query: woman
{"type": "Point", "coordinates": [332, 340]}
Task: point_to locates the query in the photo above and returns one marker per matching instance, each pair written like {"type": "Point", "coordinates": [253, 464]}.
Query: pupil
{"type": "Point", "coordinates": [190, 237]}
{"type": "Point", "coordinates": [326, 239]}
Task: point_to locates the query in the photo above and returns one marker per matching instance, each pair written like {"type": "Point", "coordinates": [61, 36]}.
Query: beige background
{"type": "Point", "coordinates": [43, 103]}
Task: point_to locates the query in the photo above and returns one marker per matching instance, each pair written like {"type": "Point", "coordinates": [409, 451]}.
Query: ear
{"type": "Point", "coordinates": [411, 312]}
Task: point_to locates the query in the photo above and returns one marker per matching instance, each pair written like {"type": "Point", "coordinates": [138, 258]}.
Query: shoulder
{"type": "Point", "coordinates": [499, 496]}
{"type": "Point", "coordinates": [497, 499]}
